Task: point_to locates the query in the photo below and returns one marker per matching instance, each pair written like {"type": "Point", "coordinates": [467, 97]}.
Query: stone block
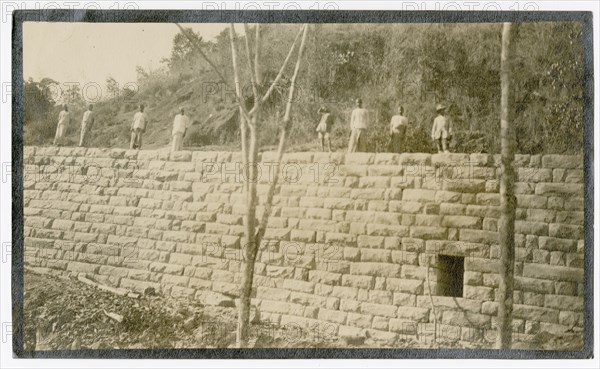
{"type": "Point", "coordinates": [553, 272]}
{"type": "Point", "coordinates": [358, 281]}
{"type": "Point", "coordinates": [334, 316]}
{"type": "Point", "coordinates": [320, 276]}
{"type": "Point", "coordinates": [274, 294]}
{"type": "Point", "coordinates": [562, 161]}
{"type": "Point", "coordinates": [411, 286]}
{"type": "Point", "coordinates": [374, 255]}
{"type": "Point", "coordinates": [562, 302]}
{"type": "Point", "coordinates": [428, 233]}
{"type": "Point", "coordinates": [418, 195]}
{"type": "Point", "coordinates": [535, 313]}
{"type": "Point", "coordinates": [83, 267]}
{"type": "Point", "coordinates": [478, 236]}
{"type": "Point", "coordinates": [557, 244]}
{"type": "Point", "coordinates": [566, 231]}
{"type": "Point", "coordinates": [375, 269]}
{"type": "Point", "coordinates": [466, 319]}
{"type": "Point", "coordinates": [378, 309]}
{"type": "Point", "coordinates": [478, 293]}
{"type": "Point", "coordinates": [461, 221]}
{"type": "Point", "coordinates": [416, 314]}
{"type": "Point", "coordinates": [375, 242]}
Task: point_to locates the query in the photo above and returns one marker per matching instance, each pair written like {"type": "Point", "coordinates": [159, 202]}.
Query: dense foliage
{"type": "Point", "coordinates": [415, 65]}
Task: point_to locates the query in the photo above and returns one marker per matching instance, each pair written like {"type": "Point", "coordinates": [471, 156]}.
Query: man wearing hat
{"type": "Point", "coordinates": [359, 121]}
{"type": "Point", "coordinates": [180, 126]}
{"type": "Point", "coordinates": [442, 129]}
{"type": "Point", "coordinates": [324, 127]}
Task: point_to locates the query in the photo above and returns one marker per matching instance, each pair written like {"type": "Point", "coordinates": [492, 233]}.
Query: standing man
{"type": "Point", "coordinates": [180, 126]}
{"type": "Point", "coordinates": [64, 118]}
{"type": "Point", "coordinates": [86, 125]}
{"type": "Point", "coordinates": [138, 126]}
{"type": "Point", "coordinates": [324, 127]}
{"type": "Point", "coordinates": [441, 132]}
{"type": "Point", "coordinates": [398, 126]}
{"type": "Point", "coordinates": [359, 121]}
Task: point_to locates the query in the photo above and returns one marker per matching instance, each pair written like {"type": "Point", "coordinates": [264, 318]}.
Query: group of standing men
{"type": "Point", "coordinates": [138, 127]}
{"type": "Point", "coordinates": [181, 123]}
{"type": "Point", "coordinates": [64, 120]}
{"type": "Point", "coordinates": [441, 132]}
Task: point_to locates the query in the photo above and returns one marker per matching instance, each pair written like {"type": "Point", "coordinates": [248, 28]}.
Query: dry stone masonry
{"type": "Point", "coordinates": [354, 246]}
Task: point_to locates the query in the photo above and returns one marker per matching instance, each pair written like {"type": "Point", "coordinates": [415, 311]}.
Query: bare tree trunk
{"type": "Point", "coordinates": [257, 70]}
{"type": "Point", "coordinates": [253, 237]}
{"type": "Point", "coordinates": [248, 121]}
{"type": "Point", "coordinates": [249, 248]}
{"type": "Point", "coordinates": [251, 67]}
{"type": "Point", "coordinates": [238, 92]}
{"type": "Point", "coordinates": [506, 225]}
{"type": "Point", "coordinates": [287, 122]}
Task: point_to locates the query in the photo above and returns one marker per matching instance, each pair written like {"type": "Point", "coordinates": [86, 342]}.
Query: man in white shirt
{"type": "Point", "coordinates": [138, 126]}
{"type": "Point", "coordinates": [398, 126]}
{"type": "Point", "coordinates": [359, 121]}
{"type": "Point", "coordinates": [64, 118]}
{"type": "Point", "coordinates": [86, 125]}
{"type": "Point", "coordinates": [441, 132]}
{"type": "Point", "coordinates": [180, 126]}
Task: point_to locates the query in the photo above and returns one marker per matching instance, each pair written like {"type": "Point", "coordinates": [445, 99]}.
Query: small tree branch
{"type": "Point", "coordinates": [258, 43]}
{"type": "Point", "coordinates": [281, 70]}
{"type": "Point", "coordinates": [199, 49]}
{"type": "Point", "coordinates": [221, 77]}
{"type": "Point", "coordinates": [236, 78]}
{"type": "Point", "coordinates": [249, 61]}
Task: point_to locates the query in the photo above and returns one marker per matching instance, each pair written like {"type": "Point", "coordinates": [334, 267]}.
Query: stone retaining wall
{"type": "Point", "coordinates": [354, 244]}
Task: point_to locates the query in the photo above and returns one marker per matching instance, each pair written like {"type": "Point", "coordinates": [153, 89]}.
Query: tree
{"type": "Point", "coordinates": [254, 231]}
{"type": "Point", "coordinates": [141, 73]}
{"type": "Point", "coordinates": [39, 110]}
{"type": "Point", "coordinates": [112, 87]}
{"type": "Point", "coordinates": [38, 99]}
{"type": "Point", "coordinates": [508, 201]}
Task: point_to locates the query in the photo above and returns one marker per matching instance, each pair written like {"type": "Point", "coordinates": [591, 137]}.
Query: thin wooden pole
{"type": "Point", "coordinates": [506, 225]}
{"type": "Point", "coordinates": [249, 248]}
{"type": "Point", "coordinates": [287, 121]}
{"type": "Point", "coordinates": [238, 92]}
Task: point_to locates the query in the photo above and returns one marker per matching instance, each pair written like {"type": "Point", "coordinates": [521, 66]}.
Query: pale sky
{"type": "Point", "coordinates": [90, 52]}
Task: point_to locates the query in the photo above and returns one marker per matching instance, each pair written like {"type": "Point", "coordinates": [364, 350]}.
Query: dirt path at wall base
{"type": "Point", "coordinates": [61, 313]}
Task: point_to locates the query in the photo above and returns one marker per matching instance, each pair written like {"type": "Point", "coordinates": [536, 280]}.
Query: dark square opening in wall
{"type": "Point", "coordinates": [451, 271]}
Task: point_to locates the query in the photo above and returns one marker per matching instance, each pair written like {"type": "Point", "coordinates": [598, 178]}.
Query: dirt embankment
{"type": "Point", "coordinates": [61, 313]}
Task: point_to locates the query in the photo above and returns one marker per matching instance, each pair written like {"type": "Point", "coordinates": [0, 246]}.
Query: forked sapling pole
{"type": "Point", "coordinates": [248, 127]}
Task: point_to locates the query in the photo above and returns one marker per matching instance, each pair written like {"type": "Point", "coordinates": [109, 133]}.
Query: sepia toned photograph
{"type": "Point", "coordinates": [319, 185]}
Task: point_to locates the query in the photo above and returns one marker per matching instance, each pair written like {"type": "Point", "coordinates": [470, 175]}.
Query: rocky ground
{"type": "Point", "coordinates": [63, 313]}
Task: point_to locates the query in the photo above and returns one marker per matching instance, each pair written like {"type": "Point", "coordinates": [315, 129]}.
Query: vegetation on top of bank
{"type": "Point", "coordinates": [415, 65]}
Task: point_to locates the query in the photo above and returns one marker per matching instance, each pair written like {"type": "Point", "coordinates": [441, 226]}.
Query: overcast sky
{"type": "Point", "coordinates": [90, 52]}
